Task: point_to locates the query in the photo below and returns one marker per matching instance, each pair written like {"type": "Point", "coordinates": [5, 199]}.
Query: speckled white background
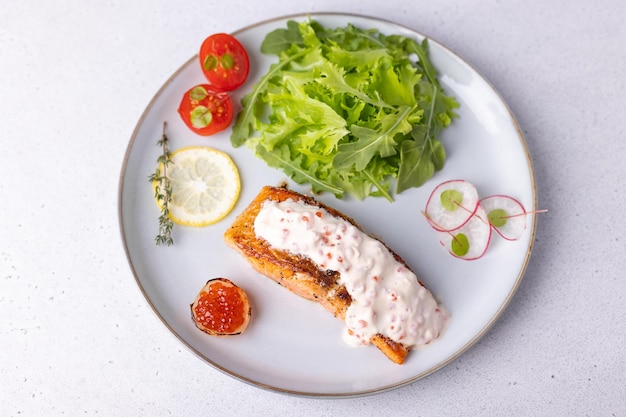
{"type": "Point", "coordinates": [78, 338]}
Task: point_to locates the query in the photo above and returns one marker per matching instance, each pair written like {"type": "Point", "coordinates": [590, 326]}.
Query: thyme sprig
{"type": "Point", "coordinates": [163, 192]}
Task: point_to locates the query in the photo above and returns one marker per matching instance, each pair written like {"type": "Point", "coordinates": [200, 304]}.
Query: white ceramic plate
{"type": "Point", "coordinates": [293, 345]}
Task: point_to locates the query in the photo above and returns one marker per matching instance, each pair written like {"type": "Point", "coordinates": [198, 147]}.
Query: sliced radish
{"type": "Point", "coordinates": [451, 204]}
{"type": "Point", "coordinates": [506, 215]}
{"type": "Point", "coordinates": [470, 241]}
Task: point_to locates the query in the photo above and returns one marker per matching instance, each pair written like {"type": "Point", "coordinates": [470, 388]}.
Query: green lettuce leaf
{"type": "Point", "coordinates": [370, 142]}
{"type": "Point", "coordinates": [347, 110]}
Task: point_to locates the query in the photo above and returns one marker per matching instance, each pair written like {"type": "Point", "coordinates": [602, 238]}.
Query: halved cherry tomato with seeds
{"type": "Point", "coordinates": [224, 61]}
{"type": "Point", "coordinates": [206, 110]}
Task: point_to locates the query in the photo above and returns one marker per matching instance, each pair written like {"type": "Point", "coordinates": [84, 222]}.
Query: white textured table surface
{"type": "Point", "coordinates": [77, 336]}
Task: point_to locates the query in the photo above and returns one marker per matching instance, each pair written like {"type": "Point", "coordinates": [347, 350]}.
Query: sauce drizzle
{"type": "Point", "coordinates": [387, 297]}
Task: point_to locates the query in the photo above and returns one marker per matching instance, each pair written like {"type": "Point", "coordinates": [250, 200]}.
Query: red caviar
{"type": "Point", "coordinates": [221, 308]}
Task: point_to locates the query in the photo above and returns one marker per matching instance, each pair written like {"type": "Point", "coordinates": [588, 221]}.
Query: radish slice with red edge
{"type": "Point", "coordinates": [451, 205]}
{"type": "Point", "coordinates": [506, 215]}
{"type": "Point", "coordinates": [470, 241]}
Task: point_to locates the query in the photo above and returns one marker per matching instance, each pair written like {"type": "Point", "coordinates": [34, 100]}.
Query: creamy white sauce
{"type": "Point", "coordinates": [386, 296]}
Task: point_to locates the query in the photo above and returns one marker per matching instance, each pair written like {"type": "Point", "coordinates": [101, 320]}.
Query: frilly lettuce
{"type": "Point", "coordinates": [347, 110]}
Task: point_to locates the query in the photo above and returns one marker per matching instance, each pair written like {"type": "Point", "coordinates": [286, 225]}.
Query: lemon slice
{"type": "Point", "coordinates": [205, 185]}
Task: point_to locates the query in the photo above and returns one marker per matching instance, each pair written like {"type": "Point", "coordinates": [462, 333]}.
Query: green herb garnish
{"type": "Point", "coordinates": [163, 192]}
{"type": "Point", "coordinates": [347, 110]}
{"type": "Point", "coordinates": [460, 244]}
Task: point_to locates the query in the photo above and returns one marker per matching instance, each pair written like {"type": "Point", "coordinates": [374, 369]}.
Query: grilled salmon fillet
{"type": "Point", "coordinates": [296, 272]}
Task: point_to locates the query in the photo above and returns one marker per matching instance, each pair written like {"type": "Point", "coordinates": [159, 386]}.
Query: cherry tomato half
{"type": "Point", "coordinates": [224, 61]}
{"type": "Point", "coordinates": [206, 110]}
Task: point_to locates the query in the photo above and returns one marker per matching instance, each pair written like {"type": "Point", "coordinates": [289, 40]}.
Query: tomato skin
{"type": "Point", "coordinates": [206, 110]}
{"type": "Point", "coordinates": [224, 61]}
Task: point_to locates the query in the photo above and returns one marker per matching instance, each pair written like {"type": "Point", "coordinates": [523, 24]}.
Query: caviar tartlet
{"type": "Point", "coordinates": [221, 308]}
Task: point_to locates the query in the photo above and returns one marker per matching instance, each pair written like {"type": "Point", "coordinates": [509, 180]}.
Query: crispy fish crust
{"type": "Point", "coordinates": [297, 273]}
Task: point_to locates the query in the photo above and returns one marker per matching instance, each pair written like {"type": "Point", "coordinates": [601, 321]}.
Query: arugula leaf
{"type": "Point", "coordinates": [347, 110]}
{"type": "Point", "coordinates": [282, 39]}
{"type": "Point", "coordinates": [373, 141]}
{"type": "Point", "coordinates": [292, 166]}
{"type": "Point", "coordinates": [423, 155]}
